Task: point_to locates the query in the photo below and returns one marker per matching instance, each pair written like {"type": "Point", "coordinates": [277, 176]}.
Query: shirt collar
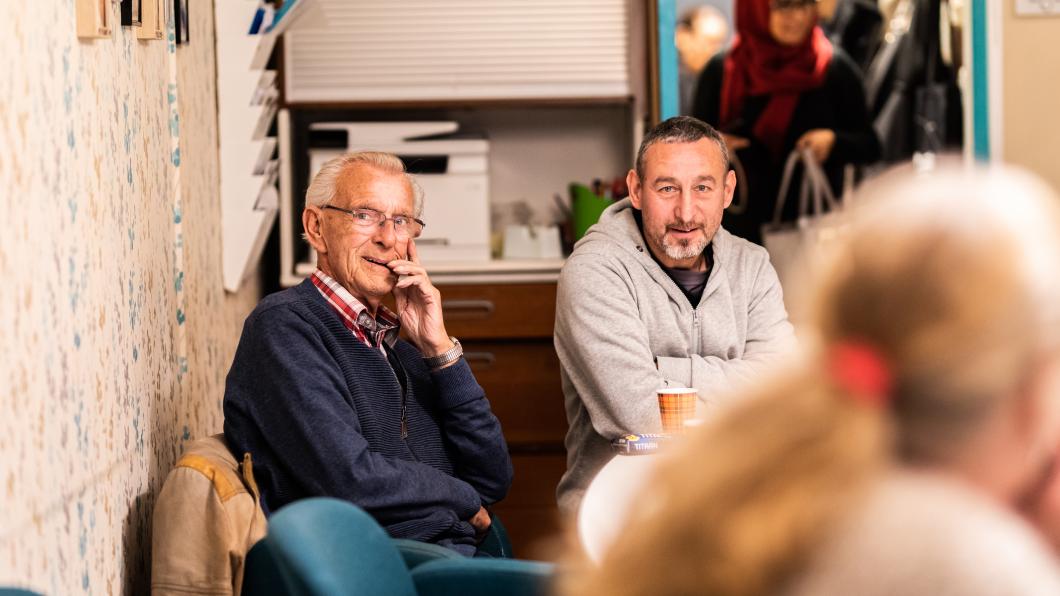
{"type": "Point", "coordinates": [385, 323]}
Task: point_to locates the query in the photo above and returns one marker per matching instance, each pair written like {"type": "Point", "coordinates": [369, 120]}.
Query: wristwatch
{"type": "Point", "coordinates": [449, 356]}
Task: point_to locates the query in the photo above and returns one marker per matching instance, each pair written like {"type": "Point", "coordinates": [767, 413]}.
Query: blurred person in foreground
{"type": "Point", "coordinates": [911, 449]}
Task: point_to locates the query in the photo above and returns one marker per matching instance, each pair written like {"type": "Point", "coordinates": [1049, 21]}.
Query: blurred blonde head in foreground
{"type": "Point", "coordinates": [936, 328]}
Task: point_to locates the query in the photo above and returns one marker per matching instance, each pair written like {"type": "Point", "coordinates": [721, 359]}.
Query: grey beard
{"type": "Point", "coordinates": [686, 250]}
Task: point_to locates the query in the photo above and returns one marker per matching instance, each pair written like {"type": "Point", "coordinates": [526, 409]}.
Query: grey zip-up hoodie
{"type": "Point", "coordinates": [618, 314]}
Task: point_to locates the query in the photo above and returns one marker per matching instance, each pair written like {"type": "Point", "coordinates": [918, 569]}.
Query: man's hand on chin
{"type": "Point", "coordinates": [419, 305]}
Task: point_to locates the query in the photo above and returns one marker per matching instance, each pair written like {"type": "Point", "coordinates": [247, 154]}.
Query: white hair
{"type": "Point", "coordinates": [989, 204]}
{"type": "Point", "coordinates": [321, 190]}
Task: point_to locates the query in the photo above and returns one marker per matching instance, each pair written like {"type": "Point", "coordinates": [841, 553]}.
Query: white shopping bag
{"type": "Point", "coordinates": [796, 247]}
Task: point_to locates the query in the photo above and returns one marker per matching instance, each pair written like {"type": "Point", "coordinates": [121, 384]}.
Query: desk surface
{"type": "Point", "coordinates": [491, 271]}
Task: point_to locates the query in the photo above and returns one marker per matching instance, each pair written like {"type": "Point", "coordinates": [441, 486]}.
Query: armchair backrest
{"type": "Point", "coordinates": [484, 577]}
{"type": "Point", "coordinates": [496, 543]}
{"type": "Point", "coordinates": [262, 576]}
{"type": "Point", "coordinates": [328, 547]}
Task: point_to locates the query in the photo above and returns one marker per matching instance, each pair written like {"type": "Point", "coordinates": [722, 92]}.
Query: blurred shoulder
{"type": "Point", "coordinates": [717, 62]}
{"type": "Point", "coordinates": [963, 543]}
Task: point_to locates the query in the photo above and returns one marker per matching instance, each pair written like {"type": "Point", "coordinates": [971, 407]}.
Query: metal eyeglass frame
{"type": "Point", "coordinates": [380, 217]}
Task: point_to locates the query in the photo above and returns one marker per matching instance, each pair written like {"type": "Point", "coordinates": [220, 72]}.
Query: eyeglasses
{"type": "Point", "coordinates": [366, 219]}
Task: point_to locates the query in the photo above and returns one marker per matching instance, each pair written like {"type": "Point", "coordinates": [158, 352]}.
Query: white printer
{"type": "Point", "coordinates": [453, 171]}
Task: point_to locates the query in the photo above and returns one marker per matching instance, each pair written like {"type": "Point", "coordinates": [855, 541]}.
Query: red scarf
{"type": "Point", "coordinates": [758, 65]}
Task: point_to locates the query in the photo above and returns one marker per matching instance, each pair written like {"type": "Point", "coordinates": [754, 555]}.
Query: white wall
{"type": "Point", "coordinates": [537, 152]}
{"type": "Point", "coordinates": [1031, 92]}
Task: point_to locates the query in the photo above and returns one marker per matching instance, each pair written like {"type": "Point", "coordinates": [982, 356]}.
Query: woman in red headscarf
{"type": "Point", "coordinates": [782, 86]}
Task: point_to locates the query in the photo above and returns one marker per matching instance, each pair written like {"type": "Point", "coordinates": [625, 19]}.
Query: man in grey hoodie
{"type": "Point", "coordinates": [657, 294]}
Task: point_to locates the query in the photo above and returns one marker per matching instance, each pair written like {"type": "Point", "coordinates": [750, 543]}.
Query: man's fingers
{"type": "Point", "coordinates": [420, 282]}
{"type": "Point", "coordinates": [481, 520]}
{"type": "Point", "coordinates": [406, 268]}
{"type": "Point", "coordinates": [408, 280]}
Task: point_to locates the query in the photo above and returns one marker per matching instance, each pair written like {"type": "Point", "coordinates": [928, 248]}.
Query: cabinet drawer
{"type": "Point", "coordinates": [529, 512]}
{"type": "Point", "coordinates": [497, 311]}
{"type": "Point", "coordinates": [521, 379]}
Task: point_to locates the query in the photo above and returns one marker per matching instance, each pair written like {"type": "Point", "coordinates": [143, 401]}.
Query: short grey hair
{"type": "Point", "coordinates": [322, 189]}
{"type": "Point", "coordinates": [680, 129]}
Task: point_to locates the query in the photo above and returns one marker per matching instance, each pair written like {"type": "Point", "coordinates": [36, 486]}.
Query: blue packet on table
{"type": "Point", "coordinates": [638, 444]}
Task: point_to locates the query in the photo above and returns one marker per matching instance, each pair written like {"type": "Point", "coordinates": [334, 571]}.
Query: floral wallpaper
{"type": "Point", "coordinates": [115, 333]}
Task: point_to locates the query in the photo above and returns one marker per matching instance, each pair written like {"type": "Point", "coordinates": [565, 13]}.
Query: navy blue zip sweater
{"type": "Point", "coordinates": [320, 413]}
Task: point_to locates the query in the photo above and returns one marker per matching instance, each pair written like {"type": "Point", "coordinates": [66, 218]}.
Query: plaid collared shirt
{"type": "Point", "coordinates": [381, 331]}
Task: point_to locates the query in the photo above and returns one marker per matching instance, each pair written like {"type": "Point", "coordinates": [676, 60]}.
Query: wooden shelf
{"type": "Point", "coordinates": [451, 104]}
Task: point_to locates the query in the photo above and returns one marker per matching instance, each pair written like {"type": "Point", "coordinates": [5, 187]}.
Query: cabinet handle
{"type": "Point", "coordinates": [467, 309]}
{"type": "Point", "coordinates": [485, 359]}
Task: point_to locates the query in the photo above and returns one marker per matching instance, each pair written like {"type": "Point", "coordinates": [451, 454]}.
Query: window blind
{"type": "Point", "coordinates": [365, 50]}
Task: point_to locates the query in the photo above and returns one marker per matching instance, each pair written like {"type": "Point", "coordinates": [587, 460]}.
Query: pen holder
{"type": "Point", "coordinates": [586, 208]}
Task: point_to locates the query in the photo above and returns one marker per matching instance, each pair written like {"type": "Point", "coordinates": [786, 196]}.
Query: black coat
{"type": "Point", "coordinates": [838, 104]}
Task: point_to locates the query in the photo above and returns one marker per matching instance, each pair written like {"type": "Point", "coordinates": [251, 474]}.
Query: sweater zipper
{"type": "Point", "coordinates": [404, 420]}
{"type": "Point", "coordinates": [404, 408]}
{"type": "Point", "coordinates": [695, 329]}
{"type": "Point", "coordinates": [404, 399]}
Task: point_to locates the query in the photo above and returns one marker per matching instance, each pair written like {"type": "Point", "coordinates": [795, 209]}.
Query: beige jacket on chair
{"type": "Point", "coordinates": [207, 517]}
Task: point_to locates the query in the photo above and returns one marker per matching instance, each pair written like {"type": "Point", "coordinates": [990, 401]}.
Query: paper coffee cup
{"type": "Point", "coordinates": [677, 405]}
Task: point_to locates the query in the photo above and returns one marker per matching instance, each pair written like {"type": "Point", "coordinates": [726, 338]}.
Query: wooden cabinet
{"type": "Point", "coordinates": [529, 513]}
{"type": "Point", "coordinates": [499, 311]}
{"type": "Point", "coordinates": [506, 331]}
{"type": "Point", "coordinates": [521, 379]}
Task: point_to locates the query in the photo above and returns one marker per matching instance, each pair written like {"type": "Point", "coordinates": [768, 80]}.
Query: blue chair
{"type": "Point", "coordinates": [496, 544]}
{"type": "Point", "coordinates": [484, 577]}
{"type": "Point", "coordinates": [328, 547]}
{"type": "Point", "coordinates": [261, 573]}
{"type": "Point", "coordinates": [416, 553]}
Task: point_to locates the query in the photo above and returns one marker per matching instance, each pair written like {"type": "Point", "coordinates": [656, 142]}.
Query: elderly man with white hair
{"type": "Point", "coordinates": [331, 402]}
